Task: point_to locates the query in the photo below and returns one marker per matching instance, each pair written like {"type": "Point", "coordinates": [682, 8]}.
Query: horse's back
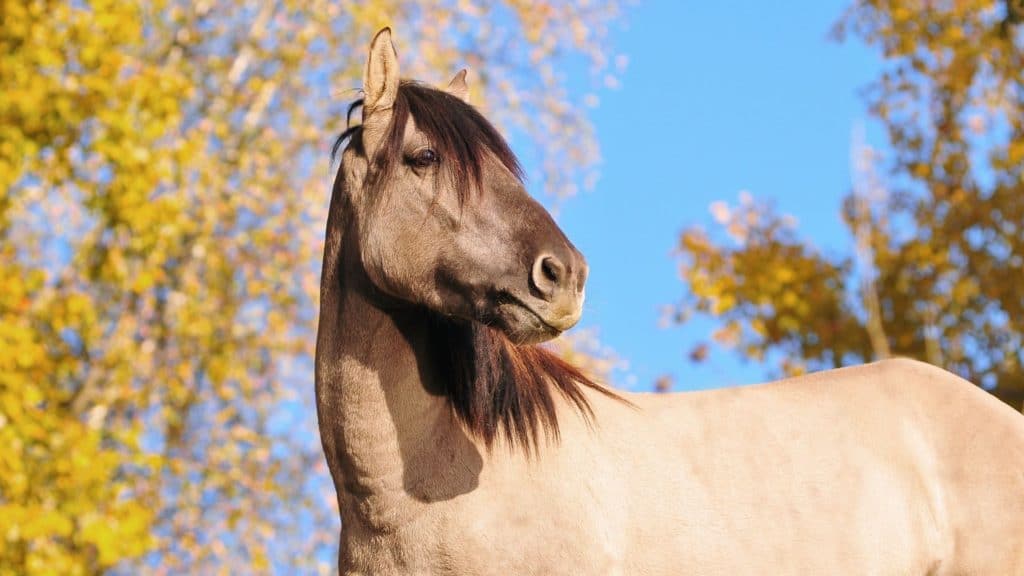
{"type": "Point", "coordinates": [977, 467]}
{"type": "Point", "coordinates": [887, 468]}
{"type": "Point", "coordinates": [980, 452]}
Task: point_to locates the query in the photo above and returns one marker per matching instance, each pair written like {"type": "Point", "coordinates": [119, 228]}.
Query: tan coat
{"type": "Point", "coordinates": [892, 468]}
{"type": "Point", "coordinates": [895, 468]}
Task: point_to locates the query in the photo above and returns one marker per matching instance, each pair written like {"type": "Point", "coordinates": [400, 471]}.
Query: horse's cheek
{"type": "Point", "coordinates": [381, 266]}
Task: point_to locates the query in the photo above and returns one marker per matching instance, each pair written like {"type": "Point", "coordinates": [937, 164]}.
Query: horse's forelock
{"type": "Point", "coordinates": [456, 130]}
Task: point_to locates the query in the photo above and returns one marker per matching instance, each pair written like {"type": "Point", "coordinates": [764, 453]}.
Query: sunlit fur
{"type": "Point", "coordinates": [893, 468]}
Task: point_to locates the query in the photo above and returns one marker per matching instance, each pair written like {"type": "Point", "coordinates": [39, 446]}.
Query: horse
{"type": "Point", "coordinates": [459, 445]}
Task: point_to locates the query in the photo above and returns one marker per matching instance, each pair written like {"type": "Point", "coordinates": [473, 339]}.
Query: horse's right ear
{"type": "Point", "coordinates": [380, 79]}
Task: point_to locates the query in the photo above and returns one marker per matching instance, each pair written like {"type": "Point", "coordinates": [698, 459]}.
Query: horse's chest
{"type": "Point", "coordinates": [482, 547]}
{"type": "Point", "coordinates": [541, 518]}
{"type": "Point", "coordinates": [542, 545]}
{"type": "Point", "coordinates": [531, 532]}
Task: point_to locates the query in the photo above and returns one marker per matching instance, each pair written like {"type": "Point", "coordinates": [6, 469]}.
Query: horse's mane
{"type": "Point", "coordinates": [497, 387]}
{"type": "Point", "coordinates": [494, 386]}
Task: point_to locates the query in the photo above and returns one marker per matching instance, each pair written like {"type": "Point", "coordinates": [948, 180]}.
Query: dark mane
{"type": "Point", "coordinates": [456, 131]}
{"type": "Point", "coordinates": [496, 387]}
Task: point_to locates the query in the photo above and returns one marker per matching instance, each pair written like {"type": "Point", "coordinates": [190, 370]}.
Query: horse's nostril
{"type": "Point", "coordinates": [552, 270]}
{"type": "Point", "coordinates": [547, 276]}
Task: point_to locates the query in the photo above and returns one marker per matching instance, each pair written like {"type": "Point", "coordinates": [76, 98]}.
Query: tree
{"type": "Point", "coordinates": [165, 179]}
{"type": "Point", "coordinates": [939, 253]}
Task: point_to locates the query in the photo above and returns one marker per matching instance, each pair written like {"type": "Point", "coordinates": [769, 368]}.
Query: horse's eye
{"type": "Point", "coordinates": [424, 158]}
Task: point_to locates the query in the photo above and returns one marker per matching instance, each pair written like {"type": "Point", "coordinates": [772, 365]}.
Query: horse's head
{"type": "Point", "coordinates": [440, 217]}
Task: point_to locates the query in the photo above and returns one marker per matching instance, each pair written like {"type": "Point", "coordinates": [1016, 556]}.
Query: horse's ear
{"type": "Point", "coordinates": [380, 79]}
{"type": "Point", "coordinates": [457, 87]}
{"type": "Point", "coordinates": [380, 88]}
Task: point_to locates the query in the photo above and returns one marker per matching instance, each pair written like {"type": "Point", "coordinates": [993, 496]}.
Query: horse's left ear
{"type": "Point", "coordinates": [380, 89]}
{"type": "Point", "coordinates": [457, 87]}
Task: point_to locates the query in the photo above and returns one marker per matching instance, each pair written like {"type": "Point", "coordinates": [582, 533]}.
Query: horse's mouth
{"type": "Point", "coordinates": [520, 323]}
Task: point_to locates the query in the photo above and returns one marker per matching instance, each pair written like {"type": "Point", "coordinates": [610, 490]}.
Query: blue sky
{"type": "Point", "coordinates": [718, 97]}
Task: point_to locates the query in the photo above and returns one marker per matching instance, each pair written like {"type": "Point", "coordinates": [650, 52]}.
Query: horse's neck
{"type": "Point", "coordinates": [390, 443]}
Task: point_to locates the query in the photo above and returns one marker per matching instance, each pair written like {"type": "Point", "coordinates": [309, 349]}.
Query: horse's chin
{"type": "Point", "coordinates": [520, 324]}
{"type": "Point", "coordinates": [530, 336]}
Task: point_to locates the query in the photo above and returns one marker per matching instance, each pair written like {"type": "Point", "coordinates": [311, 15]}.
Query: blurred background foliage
{"type": "Point", "coordinates": [937, 261]}
{"type": "Point", "coordinates": [165, 175]}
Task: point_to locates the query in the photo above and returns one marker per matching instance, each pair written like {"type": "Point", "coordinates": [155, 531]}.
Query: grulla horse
{"type": "Point", "coordinates": [458, 446]}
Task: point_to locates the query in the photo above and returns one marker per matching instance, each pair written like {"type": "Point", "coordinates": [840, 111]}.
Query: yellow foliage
{"type": "Point", "coordinates": [58, 477]}
{"type": "Point", "coordinates": [164, 169]}
{"type": "Point", "coordinates": [937, 267]}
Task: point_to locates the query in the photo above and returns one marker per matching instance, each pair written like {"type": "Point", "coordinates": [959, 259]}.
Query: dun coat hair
{"type": "Point", "coordinates": [440, 277]}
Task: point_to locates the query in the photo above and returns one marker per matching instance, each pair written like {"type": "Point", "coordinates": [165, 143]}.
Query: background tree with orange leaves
{"type": "Point", "coordinates": [937, 259]}
{"type": "Point", "coordinates": [165, 175]}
